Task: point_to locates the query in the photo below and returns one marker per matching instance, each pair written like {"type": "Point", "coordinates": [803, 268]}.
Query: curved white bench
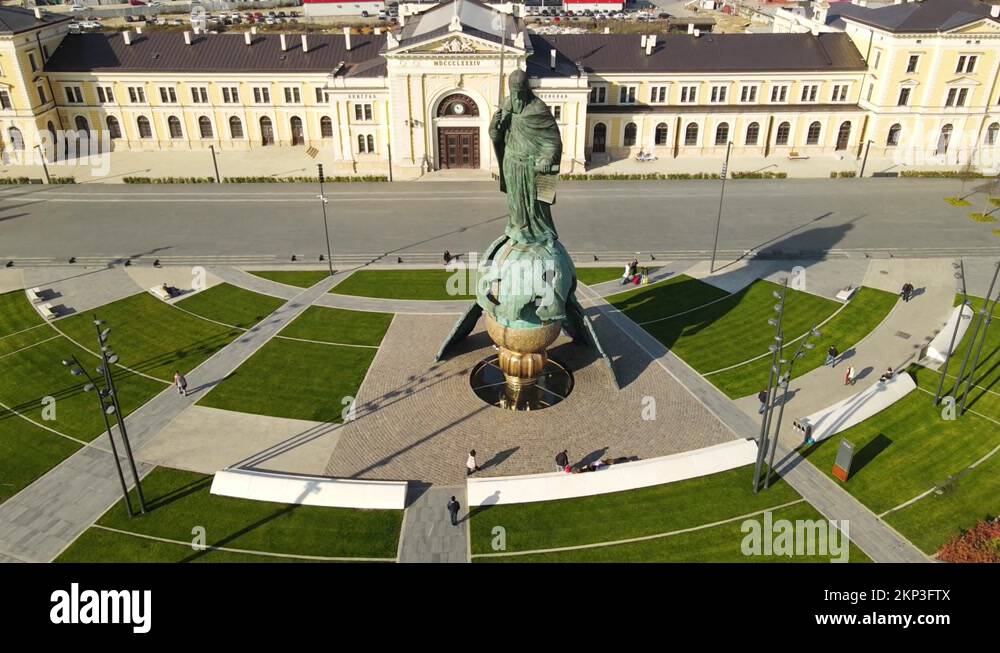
{"type": "Point", "coordinates": [938, 347]}
{"type": "Point", "coordinates": [856, 408]}
{"type": "Point", "coordinates": [310, 490]}
{"type": "Point", "coordinates": [615, 478]}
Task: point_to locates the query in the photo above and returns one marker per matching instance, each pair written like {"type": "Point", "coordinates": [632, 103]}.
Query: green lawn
{"type": "Point", "coordinates": [298, 278]}
{"type": "Point", "coordinates": [150, 336]}
{"type": "Point", "coordinates": [722, 543]}
{"type": "Point", "coordinates": [985, 397]}
{"type": "Point", "coordinates": [674, 295]}
{"type": "Point", "coordinates": [28, 337]}
{"type": "Point", "coordinates": [98, 545]}
{"type": "Point", "coordinates": [27, 452]}
{"type": "Point", "coordinates": [409, 284]}
{"type": "Point", "coordinates": [857, 319]}
{"type": "Point", "coordinates": [593, 276]}
{"type": "Point", "coordinates": [735, 329]}
{"type": "Point", "coordinates": [16, 313]}
{"type": "Point", "coordinates": [180, 500]}
{"type": "Point", "coordinates": [624, 515]}
{"type": "Point", "coordinates": [231, 305]}
{"type": "Point", "coordinates": [298, 380]}
{"type": "Point", "coordinates": [339, 326]}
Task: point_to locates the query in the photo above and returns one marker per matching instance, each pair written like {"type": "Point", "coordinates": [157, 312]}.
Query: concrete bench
{"type": "Point", "coordinates": [47, 312]}
{"type": "Point", "coordinates": [310, 490]}
{"type": "Point", "coordinates": [855, 409]}
{"type": "Point", "coordinates": [158, 291]}
{"type": "Point", "coordinates": [847, 293]}
{"type": "Point", "coordinates": [34, 295]}
{"type": "Point", "coordinates": [937, 350]}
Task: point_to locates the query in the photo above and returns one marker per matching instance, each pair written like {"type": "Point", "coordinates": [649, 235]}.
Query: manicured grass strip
{"type": "Point", "coordinates": [150, 336]}
{"type": "Point", "coordinates": [906, 449]}
{"type": "Point", "coordinates": [409, 284]}
{"type": "Point", "coordinates": [665, 298]}
{"type": "Point", "coordinates": [98, 545]}
{"type": "Point", "coordinates": [31, 375]}
{"type": "Point", "coordinates": [736, 329]}
{"type": "Point", "coordinates": [26, 452]}
{"type": "Point", "coordinates": [298, 278]}
{"type": "Point", "coordinates": [972, 495]}
{"type": "Point", "coordinates": [593, 276]}
{"type": "Point", "coordinates": [625, 515]}
{"type": "Point", "coordinates": [294, 379]}
{"type": "Point", "coordinates": [722, 543]}
{"type": "Point", "coordinates": [16, 313]}
{"type": "Point", "coordinates": [26, 338]}
{"type": "Point", "coordinates": [337, 325]}
{"type": "Point", "coordinates": [231, 305]}
{"type": "Point", "coordinates": [982, 398]}
{"type": "Point", "coordinates": [857, 319]}
{"type": "Point", "coordinates": [180, 500]}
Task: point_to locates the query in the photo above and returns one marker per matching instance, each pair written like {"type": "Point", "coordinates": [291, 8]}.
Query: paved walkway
{"type": "Point", "coordinates": [252, 282]}
{"type": "Point", "coordinates": [38, 523]}
{"type": "Point", "coordinates": [878, 540]}
{"type": "Point", "coordinates": [406, 306]}
{"type": "Point", "coordinates": [428, 535]}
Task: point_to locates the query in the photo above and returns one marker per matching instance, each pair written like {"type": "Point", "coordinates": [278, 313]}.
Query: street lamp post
{"type": "Point", "coordinates": [975, 337]}
{"type": "Point", "coordinates": [326, 227]}
{"type": "Point", "coordinates": [775, 348]}
{"type": "Point", "coordinates": [960, 275]}
{"type": "Point", "coordinates": [722, 195]}
{"type": "Point", "coordinates": [215, 164]}
{"type": "Point", "coordinates": [864, 161]}
{"type": "Point", "coordinates": [986, 317]}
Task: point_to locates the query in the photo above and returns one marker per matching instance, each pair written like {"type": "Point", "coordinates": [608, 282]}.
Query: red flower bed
{"type": "Point", "coordinates": [980, 543]}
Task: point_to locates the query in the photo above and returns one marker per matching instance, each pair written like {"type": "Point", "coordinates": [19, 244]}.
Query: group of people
{"type": "Point", "coordinates": [633, 275]}
{"type": "Point", "coordinates": [645, 156]}
{"type": "Point", "coordinates": [907, 292]}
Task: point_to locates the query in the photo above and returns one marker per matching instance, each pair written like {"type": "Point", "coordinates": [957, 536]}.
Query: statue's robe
{"type": "Point", "coordinates": [525, 140]}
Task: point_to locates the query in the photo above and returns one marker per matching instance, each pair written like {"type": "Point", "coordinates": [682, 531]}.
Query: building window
{"type": "Point", "coordinates": [753, 132]}
{"type": "Point", "coordinates": [944, 138]}
{"type": "Point", "coordinates": [966, 64]}
{"type": "Point", "coordinates": [779, 94]}
{"type": "Point", "coordinates": [320, 95]}
{"type": "Point", "coordinates": [878, 58]}
{"type": "Point", "coordinates": [42, 97]}
{"type": "Point", "coordinates": [231, 94]}
{"type": "Point", "coordinates": [599, 95]}
{"type": "Point", "coordinates": [809, 92]}
{"type": "Point", "coordinates": [660, 136]}
{"type": "Point", "coordinates": [5, 100]}
{"type": "Point", "coordinates": [904, 97]}
{"type": "Point", "coordinates": [722, 133]}
{"type": "Point", "coordinates": [168, 95]}
{"type": "Point", "coordinates": [32, 62]}
{"type": "Point", "coordinates": [363, 112]}
{"type": "Point", "coordinates": [892, 140]}
{"type": "Point", "coordinates": [557, 113]}
{"type": "Point", "coordinates": [174, 126]}
{"type": "Point", "coordinates": [261, 95]}
{"type": "Point", "coordinates": [16, 138]}
{"type": "Point", "coordinates": [629, 138]}
{"type": "Point", "coordinates": [105, 95]}
{"type": "Point", "coordinates": [235, 127]}
{"type": "Point", "coordinates": [142, 124]}
{"type": "Point", "coordinates": [839, 93]}
{"type": "Point", "coordinates": [136, 95]}
{"type": "Point", "coordinates": [658, 94]}
{"type": "Point", "coordinates": [956, 97]}
{"type": "Point", "coordinates": [325, 127]}
{"type": "Point", "coordinates": [366, 144]}
{"type": "Point", "coordinates": [74, 95]}
{"type": "Point", "coordinates": [911, 65]}
{"type": "Point", "coordinates": [600, 137]}
{"type": "Point", "coordinates": [812, 136]}
{"type": "Point", "coordinates": [781, 138]}
{"type": "Point", "coordinates": [868, 96]}
{"type": "Point", "coordinates": [114, 129]}
{"type": "Point", "coordinates": [689, 94]}
{"type": "Point", "coordinates": [691, 134]}
{"type": "Point", "coordinates": [292, 95]}
{"type": "Point", "coordinates": [199, 95]}
{"type": "Point", "coordinates": [748, 94]}
{"type": "Point", "coordinates": [719, 93]}
{"type": "Point", "coordinates": [991, 133]}
{"type": "Point", "coordinates": [626, 95]}
{"type": "Point", "coordinates": [205, 127]}
{"type": "Point", "coordinates": [82, 125]}
{"type": "Point", "coordinates": [298, 135]}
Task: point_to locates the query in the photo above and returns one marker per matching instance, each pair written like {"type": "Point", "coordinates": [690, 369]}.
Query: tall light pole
{"type": "Point", "coordinates": [215, 164]}
{"type": "Point", "coordinates": [985, 318]}
{"type": "Point", "coordinates": [975, 337]}
{"type": "Point", "coordinates": [864, 161]}
{"type": "Point", "coordinates": [326, 227]}
{"type": "Point", "coordinates": [775, 348]}
{"type": "Point", "coordinates": [960, 275]}
{"type": "Point", "coordinates": [722, 195]}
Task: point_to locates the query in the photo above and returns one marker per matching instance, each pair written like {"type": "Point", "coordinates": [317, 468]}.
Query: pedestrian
{"type": "Point", "coordinates": [850, 376]}
{"type": "Point", "coordinates": [907, 291]}
{"type": "Point", "coordinates": [627, 276]}
{"type": "Point", "coordinates": [453, 508]}
{"type": "Point", "coordinates": [831, 356]}
{"type": "Point", "coordinates": [762, 398]}
{"type": "Point", "coordinates": [470, 464]}
{"type": "Point", "coordinates": [562, 461]}
{"type": "Point", "coordinates": [181, 383]}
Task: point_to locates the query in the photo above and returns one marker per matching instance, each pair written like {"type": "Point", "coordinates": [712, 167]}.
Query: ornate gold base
{"type": "Point", "coordinates": [522, 351]}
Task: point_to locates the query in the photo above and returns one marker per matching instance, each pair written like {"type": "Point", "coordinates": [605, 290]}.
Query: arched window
{"type": "Point", "coordinates": [266, 131]}
{"type": "Point", "coordinates": [892, 140]}
{"type": "Point", "coordinates": [298, 138]}
{"type": "Point", "coordinates": [722, 133]}
{"type": "Point", "coordinates": [235, 127]}
{"type": "Point", "coordinates": [361, 143]}
{"type": "Point", "coordinates": [16, 139]}
{"type": "Point", "coordinates": [174, 126]}
{"type": "Point", "coordinates": [991, 133]}
{"type": "Point", "coordinates": [142, 123]}
{"type": "Point", "coordinates": [457, 105]}
{"type": "Point", "coordinates": [114, 129]}
{"type": "Point", "coordinates": [844, 135]}
{"type": "Point", "coordinates": [753, 132]}
{"type": "Point", "coordinates": [781, 138]}
{"type": "Point", "coordinates": [600, 137]}
{"type": "Point", "coordinates": [205, 127]}
{"type": "Point", "coordinates": [82, 125]}
{"type": "Point", "coordinates": [629, 138]}
{"type": "Point", "coordinates": [691, 134]}
{"type": "Point", "coordinates": [371, 143]}
{"type": "Point", "coordinates": [326, 127]}
{"type": "Point", "coordinates": [812, 136]}
{"type": "Point", "coordinates": [661, 134]}
{"type": "Point", "coordinates": [943, 139]}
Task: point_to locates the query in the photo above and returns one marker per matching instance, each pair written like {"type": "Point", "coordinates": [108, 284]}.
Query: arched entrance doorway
{"type": "Point", "coordinates": [457, 136]}
{"type": "Point", "coordinates": [266, 131]}
{"type": "Point", "coordinates": [843, 136]}
{"type": "Point", "coordinates": [600, 137]}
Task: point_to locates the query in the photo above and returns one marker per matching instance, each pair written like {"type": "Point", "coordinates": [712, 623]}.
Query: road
{"type": "Point", "coordinates": [788, 217]}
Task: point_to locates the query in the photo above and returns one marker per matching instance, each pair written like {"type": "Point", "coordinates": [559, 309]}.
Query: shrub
{"type": "Point", "coordinates": [169, 180]}
{"type": "Point", "coordinates": [943, 174]}
{"type": "Point", "coordinates": [842, 174]}
{"type": "Point", "coordinates": [62, 180]}
{"type": "Point", "coordinates": [14, 180]}
{"type": "Point", "coordinates": [639, 176]}
{"type": "Point", "coordinates": [301, 180]}
{"type": "Point", "coordinates": [981, 543]}
{"type": "Point", "coordinates": [759, 174]}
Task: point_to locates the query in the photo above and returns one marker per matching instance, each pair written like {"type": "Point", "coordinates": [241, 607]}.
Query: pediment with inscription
{"type": "Point", "coordinates": [456, 45]}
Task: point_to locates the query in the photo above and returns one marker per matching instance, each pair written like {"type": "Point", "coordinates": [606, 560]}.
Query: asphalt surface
{"type": "Point", "coordinates": [786, 217]}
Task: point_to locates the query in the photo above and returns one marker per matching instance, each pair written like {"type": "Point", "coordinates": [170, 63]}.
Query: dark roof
{"type": "Point", "coordinates": [14, 20]}
{"type": "Point", "coordinates": [921, 16]}
{"type": "Point", "coordinates": [222, 53]}
{"type": "Point", "coordinates": [683, 53]}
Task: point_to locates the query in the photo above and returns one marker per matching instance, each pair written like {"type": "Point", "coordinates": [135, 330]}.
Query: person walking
{"type": "Point", "coordinates": [762, 398]}
{"type": "Point", "coordinates": [851, 376]}
{"type": "Point", "coordinates": [831, 356]}
{"type": "Point", "coordinates": [907, 291]}
{"type": "Point", "coordinates": [453, 508]}
{"type": "Point", "coordinates": [562, 460]}
{"type": "Point", "coordinates": [470, 464]}
{"type": "Point", "coordinates": [181, 383]}
{"type": "Point", "coordinates": [626, 275]}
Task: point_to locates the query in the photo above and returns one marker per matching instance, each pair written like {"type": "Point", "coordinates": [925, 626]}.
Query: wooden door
{"type": "Point", "coordinates": [458, 147]}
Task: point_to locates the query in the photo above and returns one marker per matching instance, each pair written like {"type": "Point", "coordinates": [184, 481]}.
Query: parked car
{"type": "Point", "coordinates": [78, 8]}
{"type": "Point", "coordinates": [663, 16]}
{"type": "Point", "coordinates": [137, 3]}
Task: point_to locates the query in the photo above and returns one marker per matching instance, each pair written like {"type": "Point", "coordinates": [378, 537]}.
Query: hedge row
{"type": "Point", "coordinates": [759, 175]}
{"type": "Point", "coordinates": [641, 176]}
{"type": "Point", "coordinates": [944, 174]}
{"type": "Point", "coordinates": [168, 180]}
{"type": "Point", "coordinates": [14, 180]}
{"type": "Point", "coordinates": [300, 180]}
{"type": "Point", "coordinates": [843, 174]}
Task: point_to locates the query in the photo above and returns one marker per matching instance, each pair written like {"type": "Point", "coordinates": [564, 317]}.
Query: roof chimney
{"type": "Point", "coordinates": [187, 37]}
{"type": "Point", "coordinates": [690, 28]}
{"type": "Point", "coordinates": [347, 38]}
{"type": "Point", "coordinates": [995, 11]}
{"type": "Point", "coordinates": [248, 37]}
{"type": "Point", "coordinates": [284, 43]}
{"type": "Point", "coordinates": [552, 58]}
{"type": "Point", "coordinates": [305, 43]}
{"type": "Point", "coordinates": [38, 13]}
{"type": "Point", "coordinates": [127, 36]}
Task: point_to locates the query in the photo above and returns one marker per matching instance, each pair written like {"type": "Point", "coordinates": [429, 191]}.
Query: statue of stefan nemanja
{"type": "Point", "coordinates": [527, 280]}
